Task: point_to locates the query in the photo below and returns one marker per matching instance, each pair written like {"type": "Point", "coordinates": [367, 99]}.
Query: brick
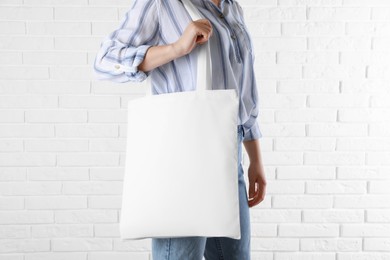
{"type": "Point", "coordinates": [334, 158]}
{"type": "Point", "coordinates": [57, 255]}
{"type": "Point", "coordinates": [106, 230]}
{"type": "Point", "coordinates": [11, 145]}
{"type": "Point", "coordinates": [333, 71]}
{"type": "Point", "coordinates": [88, 159]}
{"type": "Point", "coordinates": [12, 174]}
{"type": "Point", "coordinates": [89, 101]}
{"type": "Point", "coordinates": [378, 215]}
{"type": "Point", "coordinates": [119, 255]}
{"type": "Point", "coordinates": [26, 13]}
{"type": "Point", "coordinates": [365, 230]}
{"type": "Point", "coordinates": [58, 28]}
{"type": "Point", "coordinates": [338, 13]}
{"type": "Point", "coordinates": [285, 100]}
{"type": "Point", "coordinates": [312, 28]}
{"type": "Point", "coordinates": [62, 230]}
{"type": "Point", "coordinates": [272, 244]}
{"type": "Point", "coordinates": [378, 244]}
{"type": "Point", "coordinates": [85, 13]}
{"type": "Point", "coordinates": [59, 145]}
{"type": "Point", "coordinates": [275, 215]}
{"type": "Point", "coordinates": [86, 216]}
{"type": "Point", "coordinates": [24, 245]}
{"type": "Point", "coordinates": [56, 202]}
{"type": "Point", "coordinates": [306, 115]}
{"type": "Point", "coordinates": [308, 86]}
{"type": "Point", "coordinates": [275, 13]}
{"type": "Point", "coordinates": [337, 129]}
{"type": "Point", "coordinates": [336, 187]}
{"type": "Point", "coordinates": [280, 44]}
{"type": "Point", "coordinates": [305, 143]}
{"type": "Point", "coordinates": [360, 143]}
{"type": "Point", "coordinates": [108, 145]}
{"type": "Point", "coordinates": [81, 244]}
{"type": "Point", "coordinates": [56, 116]}
{"type": "Point", "coordinates": [18, 42]}
{"type": "Point", "coordinates": [54, 58]}
{"type": "Point", "coordinates": [105, 202]}
{"type": "Point", "coordinates": [362, 173]}
{"type": "Point", "coordinates": [57, 173]}
{"type": "Point", "coordinates": [361, 201]}
{"type": "Point", "coordinates": [12, 27]}
{"type": "Point", "coordinates": [302, 201]}
{"type": "Point", "coordinates": [308, 230]}
{"type": "Point", "coordinates": [93, 188]}
{"type": "Point", "coordinates": [284, 158]}
{"type": "Point", "coordinates": [14, 231]}
{"type": "Point", "coordinates": [19, 72]}
{"type": "Point", "coordinates": [30, 188]}
{"type": "Point", "coordinates": [86, 130]}
{"type": "Point", "coordinates": [306, 172]}
{"type": "Point", "coordinates": [27, 159]}
{"type": "Point", "coordinates": [333, 215]}
{"type": "Point", "coordinates": [340, 43]}
{"type": "Point", "coordinates": [285, 130]}
{"type": "Point", "coordinates": [107, 173]}
{"type": "Point", "coordinates": [307, 57]}
{"type": "Point", "coordinates": [331, 244]}
{"type": "Point", "coordinates": [28, 101]}
{"type": "Point", "coordinates": [135, 245]}
{"type": "Point", "coordinates": [11, 203]}
{"type": "Point", "coordinates": [107, 116]}
{"type": "Point", "coordinates": [26, 217]}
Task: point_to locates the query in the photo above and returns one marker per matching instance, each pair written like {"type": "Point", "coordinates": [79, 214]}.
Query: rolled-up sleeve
{"type": "Point", "coordinates": [252, 133]}
{"type": "Point", "coordinates": [124, 49]}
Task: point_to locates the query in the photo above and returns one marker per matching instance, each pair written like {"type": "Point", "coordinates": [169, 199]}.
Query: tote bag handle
{"type": "Point", "coordinates": [204, 66]}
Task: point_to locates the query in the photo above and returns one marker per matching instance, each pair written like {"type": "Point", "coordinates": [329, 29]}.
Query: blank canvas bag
{"type": "Point", "coordinates": [181, 174]}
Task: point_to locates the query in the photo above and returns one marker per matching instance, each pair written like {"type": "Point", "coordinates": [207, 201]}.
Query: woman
{"type": "Point", "coordinates": [156, 38]}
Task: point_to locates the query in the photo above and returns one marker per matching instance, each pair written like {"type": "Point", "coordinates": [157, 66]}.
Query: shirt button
{"type": "Point", "coordinates": [233, 36]}
{"type": "Point", "coordinates": [221, 16]}
{"type": "Point", "coordinates": [117, 66]}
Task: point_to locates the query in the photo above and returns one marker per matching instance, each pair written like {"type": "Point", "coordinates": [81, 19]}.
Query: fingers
{"type": "Point", "coordinates": [258, 194]}
{"type": "Point", "coordinates": [203, 30]}
{"type": "Point", "coordinates": [252, 186]}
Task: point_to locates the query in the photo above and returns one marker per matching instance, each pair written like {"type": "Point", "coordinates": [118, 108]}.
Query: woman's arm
{"type": "Point", "coordinates": [256, 175]}
{"type": "Point", "coordinates": [197, 32]}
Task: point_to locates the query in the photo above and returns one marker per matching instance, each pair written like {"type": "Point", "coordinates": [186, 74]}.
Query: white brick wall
{"type": "Point", "coordinates": [323, 71]}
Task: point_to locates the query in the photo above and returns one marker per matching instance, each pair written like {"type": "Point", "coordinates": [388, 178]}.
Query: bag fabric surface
{"type": "Point", "coordinates": [181, 161]}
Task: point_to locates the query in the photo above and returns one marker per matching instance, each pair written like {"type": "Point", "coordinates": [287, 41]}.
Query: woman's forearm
{"type": "Point", "coordinates": [252, 148]}
{"type": "Point", "coordinates": [159, 55]}
{"type": "Point", "coordinates": [196, 32]}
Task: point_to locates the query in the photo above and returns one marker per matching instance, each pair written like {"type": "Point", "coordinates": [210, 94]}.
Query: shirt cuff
{"type": "Point", "coordinates": [252, 133]}
{"type": "Point", "coordinates": [130, 65]}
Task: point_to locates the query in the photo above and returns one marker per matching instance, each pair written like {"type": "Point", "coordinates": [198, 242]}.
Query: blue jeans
{"type": "Point", "coordinates": [212, 248]}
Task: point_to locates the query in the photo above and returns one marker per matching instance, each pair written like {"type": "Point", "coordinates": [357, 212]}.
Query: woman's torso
{"type": "Point", "coordinates": [230, 46]}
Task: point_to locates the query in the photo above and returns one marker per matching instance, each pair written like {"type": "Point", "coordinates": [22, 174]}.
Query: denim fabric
{"type": "Point", "coordinates": [212, 248]}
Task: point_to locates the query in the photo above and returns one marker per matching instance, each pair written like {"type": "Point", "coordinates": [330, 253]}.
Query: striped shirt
{"type": "Point", "coordinates": [159, 22]}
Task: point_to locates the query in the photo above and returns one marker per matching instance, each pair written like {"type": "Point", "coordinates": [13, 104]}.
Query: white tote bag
{"type": "Point", "coordinates": [181, 174]}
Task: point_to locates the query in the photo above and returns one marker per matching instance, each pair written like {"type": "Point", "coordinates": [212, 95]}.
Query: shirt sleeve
{"type": "Point", "coordinates": [252, 133]}
{"type": "Point", "coordinates": [124, 49]}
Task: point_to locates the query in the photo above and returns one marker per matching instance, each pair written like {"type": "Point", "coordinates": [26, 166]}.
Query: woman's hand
{"type": "Point", "coordinates": [257, 183]}
{"type": "Point", "coordinates": [256, 174]}
{"type": "Point", "coordinates": [197, 32]}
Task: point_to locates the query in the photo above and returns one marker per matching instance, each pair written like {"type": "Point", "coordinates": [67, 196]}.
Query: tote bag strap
{"type": "Point", "coordinates": [204, 66]}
